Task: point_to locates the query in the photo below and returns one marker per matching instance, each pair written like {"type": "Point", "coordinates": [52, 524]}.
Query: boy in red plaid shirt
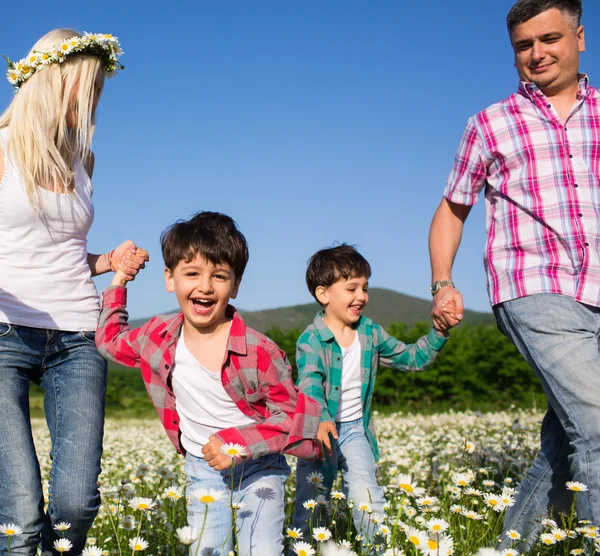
{"type": "Point", "coordinates": [219, 387]}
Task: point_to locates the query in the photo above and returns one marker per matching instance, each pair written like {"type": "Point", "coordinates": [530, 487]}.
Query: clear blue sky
{"type": "Point", "coordinates": [308, 121]}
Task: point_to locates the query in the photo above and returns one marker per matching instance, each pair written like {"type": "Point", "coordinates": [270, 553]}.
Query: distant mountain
{"type": "Point", "coordinates": [385, 307]}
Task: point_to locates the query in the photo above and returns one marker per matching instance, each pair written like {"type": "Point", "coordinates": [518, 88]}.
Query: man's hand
{"type": "Point", "coordinates": [213, 455]}
{"type": "Point", "coordinates": [325, 429]}
{"type": "Point", "coordinates": [447, 309]}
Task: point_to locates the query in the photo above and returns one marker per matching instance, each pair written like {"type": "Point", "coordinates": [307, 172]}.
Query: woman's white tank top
{"type": "Point", "coordinates": [45, 279]}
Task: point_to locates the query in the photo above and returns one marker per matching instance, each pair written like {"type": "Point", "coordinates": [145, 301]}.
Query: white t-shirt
{"type": "Point", "coordinates": [45, 279]}
{"type": "Point", "coordinates": [350, 406]}
{"type": "Point", "coordinates": [203, 405]}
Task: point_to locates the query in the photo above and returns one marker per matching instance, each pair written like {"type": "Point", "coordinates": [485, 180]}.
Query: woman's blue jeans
{"type": "Point", "coordinates": [73, 375]}
{"type": "Point", "coordinates": [559, 338]}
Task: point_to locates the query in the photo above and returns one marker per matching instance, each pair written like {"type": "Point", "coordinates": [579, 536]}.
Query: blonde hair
{"type": "Point", "coordinates": [42, 144]}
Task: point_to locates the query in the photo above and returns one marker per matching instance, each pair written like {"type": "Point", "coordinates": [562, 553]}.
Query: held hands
{"type": "Point", "coordinates": [213, 455]}
{"type": "Point", "coordinates": [126, 261]}
{"type": "Point", "coordinates": [323, 442]}
{"type": "Point", "coordinates": [447, 309]}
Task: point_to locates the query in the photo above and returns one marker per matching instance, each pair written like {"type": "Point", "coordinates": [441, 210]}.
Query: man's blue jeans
{"type": "Point", "coordinates": [73, 375]}
{"type": "Point", "coordinates": [259, 485]}
{"type": "Point", "coordinates": [352, 455]}
{"type": "Point", "coordinates": [559, 338]}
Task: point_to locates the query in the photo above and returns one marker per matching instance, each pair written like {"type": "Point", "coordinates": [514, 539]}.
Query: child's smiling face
{"type": "Point", "coordinates": [203, 291]}
{"type": "Point", "coordinates": [345, 300]}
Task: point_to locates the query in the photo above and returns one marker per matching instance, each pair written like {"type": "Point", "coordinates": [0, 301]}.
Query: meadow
{"type": "Point", "coordinates": [448, 479]}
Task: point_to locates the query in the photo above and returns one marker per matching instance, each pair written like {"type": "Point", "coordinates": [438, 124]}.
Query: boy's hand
{"type": "Point", "coordinates": [126, 261]}
{"type": "Point", "coordinates": [213, 455]}
{"type": "Point", "coordinates": [325, 429]}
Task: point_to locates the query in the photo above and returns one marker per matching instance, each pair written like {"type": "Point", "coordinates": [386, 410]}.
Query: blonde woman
{"type": "Point", "coordinates": [48, 301]}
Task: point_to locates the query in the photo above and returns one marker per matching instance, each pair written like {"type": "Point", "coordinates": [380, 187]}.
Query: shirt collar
{"type": "Point", "coordinates": [237, 332]}
{"type": "Point", "coordinates": [532, 91]}
{"type": "Point", "coordinates": [323, 330]}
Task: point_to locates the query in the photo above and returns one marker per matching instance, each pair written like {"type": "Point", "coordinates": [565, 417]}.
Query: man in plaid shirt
{"type": "Point", "coordinates": [219, 387]}
{"type": "Point", "coordinates": [537, 156]}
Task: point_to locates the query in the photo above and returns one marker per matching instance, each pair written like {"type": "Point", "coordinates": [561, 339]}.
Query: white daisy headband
{"type": "Point", "coordinates": [106, 47]}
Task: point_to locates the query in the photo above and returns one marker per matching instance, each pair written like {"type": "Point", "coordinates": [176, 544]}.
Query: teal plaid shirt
{"type": "Point", "coordinates": [319, 360]}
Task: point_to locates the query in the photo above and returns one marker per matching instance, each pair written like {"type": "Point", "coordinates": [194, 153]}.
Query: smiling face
{"type": "Point", "coordinates": [344, 300]}
{"type": "Point", "coordinates": [203, 291]}
{"type": "Point", "coordinates": [547, 50]}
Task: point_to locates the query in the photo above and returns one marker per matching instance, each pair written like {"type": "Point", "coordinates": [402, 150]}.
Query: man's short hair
{"type": "Point", "coordinates": [327, 266]}
{"type": "Point", "coordinates": [524, 10]}
{"type": "Point", "coordinates": [212, 235]}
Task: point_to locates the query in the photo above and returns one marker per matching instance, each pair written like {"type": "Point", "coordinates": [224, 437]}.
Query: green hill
{"type": "Point", "coordinates": [385, 307]}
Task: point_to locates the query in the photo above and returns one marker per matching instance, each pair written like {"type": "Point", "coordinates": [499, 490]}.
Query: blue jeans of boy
{"type": "Point", "coordinates": [352, 455]}
{"type": "Point", "coordinates": [73, 375]}
{"type": "Point", "coordinates": [259, 485]}
{"type": "Point", "coordinates": [559, 338]}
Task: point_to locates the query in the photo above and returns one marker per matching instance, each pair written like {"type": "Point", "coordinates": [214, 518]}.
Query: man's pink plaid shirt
{"type": "Point", "coordinates": [542, 191]}
{"type": "Point", "coordinates": [256, 374]}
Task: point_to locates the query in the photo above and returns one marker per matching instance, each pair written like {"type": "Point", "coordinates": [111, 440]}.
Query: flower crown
{"type": "Point", "coordinates": [105, 47]}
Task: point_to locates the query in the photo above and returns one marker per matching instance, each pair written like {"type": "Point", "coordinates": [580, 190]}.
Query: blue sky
{"type": "Point", "coordinates": [307, 121]}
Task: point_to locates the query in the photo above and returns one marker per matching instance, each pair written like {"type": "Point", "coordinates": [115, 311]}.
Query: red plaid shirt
{"type": "Point", "coordinates": [541, 180]}
{"type": "Point", "coordinates": [256, 374]}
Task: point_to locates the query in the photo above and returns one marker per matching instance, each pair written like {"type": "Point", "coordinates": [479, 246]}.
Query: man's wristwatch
{"type": "Point", "coordinates": [437, 286]}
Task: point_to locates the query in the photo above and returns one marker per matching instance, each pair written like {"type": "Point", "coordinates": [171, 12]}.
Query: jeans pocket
{"type": "Point", "coordinates": [5, 329]}
{"type": "Point", "coordinates": [88, 336]}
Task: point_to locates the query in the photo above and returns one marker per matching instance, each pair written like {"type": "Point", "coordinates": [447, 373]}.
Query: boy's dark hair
{"type": "Point", "coordinates": [524, 10]}
{"type": "Point", "coordinates": [327, 266]}
{"type": "Point", "coordinates": [212, 235]}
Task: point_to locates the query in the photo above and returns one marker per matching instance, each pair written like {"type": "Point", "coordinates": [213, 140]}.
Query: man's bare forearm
{"type": "Point", "coordinates": [444, 238]}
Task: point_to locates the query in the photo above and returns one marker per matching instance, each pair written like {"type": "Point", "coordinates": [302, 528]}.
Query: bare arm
{"type": "Point", "coordinates": [444, 238]}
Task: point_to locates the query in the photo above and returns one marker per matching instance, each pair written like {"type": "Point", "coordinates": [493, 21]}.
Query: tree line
{"type": "Point", "coordinates": [478, 369]}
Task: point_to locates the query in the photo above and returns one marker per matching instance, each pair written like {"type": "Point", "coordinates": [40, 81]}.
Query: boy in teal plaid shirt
{"type": "Point", "coordinates": [337, 357]}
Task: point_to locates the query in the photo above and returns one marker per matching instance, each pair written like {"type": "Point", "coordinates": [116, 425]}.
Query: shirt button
{"type": "Point", "coordinates": [166, 366]}
{"type": "Point", "coordinates": [587, 244]}
{"type": "Point", "coordinates": [576, 185]}
{"type": "Point", "coordinates": [581, 215]}
{"type": "Point", "coordinates": [337, 387]}
{"type": "Point", "coordinates": [570, 156]}
{"type": "Point", "coordinates": [175, 422]}
{"type": "Point", "coordinates": [548, 106]}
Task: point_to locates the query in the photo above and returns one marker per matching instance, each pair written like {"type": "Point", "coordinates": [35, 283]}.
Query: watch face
{"type": "Point", "coordinates": [434, 288]}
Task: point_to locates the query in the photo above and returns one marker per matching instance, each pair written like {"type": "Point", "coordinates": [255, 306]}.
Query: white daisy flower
{"type": "Point", "coordinates": [303, 549]}
{"type": "Point", "coordinates": [576, 486]}
{"type": "Point", "coordinates": [417, 537]}
{"type": "Point", "coordinates": [310, 504]}
{"type": "Point", "coordinates": [512, 534]}
{"type": "Point", "coordinates": [143, 504]}
{"type": "Point", "coordinates": [315, 478]}
{"type": "Point", "coordinates": [547, 538]}
{"type": "Point", "coordinates": [92, 551]}
{"type": "Point", "coordinates": [138, 544]}
{"type": "Point", "coordinates": [321, 534]}
{"type": "Point", "coordinates": [234, 450]}
{"type": "Point", "coordinates": [62, 545]}
{"type": "Point", "coordinates": [208, 496]}
{"type": "Point", "coordinates": [10, 529]}
{"type": "Point", "coordinates": [294, 533]}
{"type": "Point", "coordinates": [62, 526]}
{"type": "Point", "coordinates": [187, 535]}
{"type": "Point", "coordinates": [172, 493]}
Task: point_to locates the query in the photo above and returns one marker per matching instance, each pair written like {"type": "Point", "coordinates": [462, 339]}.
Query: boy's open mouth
{"type": "Point", "coordinates": [202, 305]}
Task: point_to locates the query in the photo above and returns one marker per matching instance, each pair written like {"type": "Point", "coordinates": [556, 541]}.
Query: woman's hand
{"type": "Point", "coordinates": [126, 261]}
